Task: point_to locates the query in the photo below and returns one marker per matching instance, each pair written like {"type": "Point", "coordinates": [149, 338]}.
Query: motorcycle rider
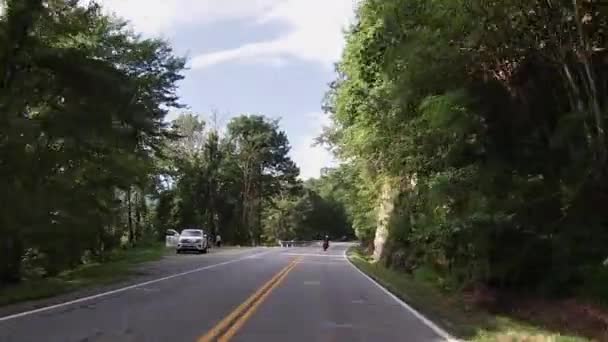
{"type": "Point", "coordinates": [326, 242]}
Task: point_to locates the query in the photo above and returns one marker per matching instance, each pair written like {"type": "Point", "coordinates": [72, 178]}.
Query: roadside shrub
{"type": "Point", "coordinates": [595, 284]}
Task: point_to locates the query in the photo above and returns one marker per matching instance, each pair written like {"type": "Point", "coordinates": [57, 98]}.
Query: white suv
{"type": "Point", "coordinates": [192, 240]}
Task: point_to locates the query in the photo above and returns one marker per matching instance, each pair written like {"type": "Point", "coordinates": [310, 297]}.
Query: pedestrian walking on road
{"type": "Point", "coordinates": [218, 240]}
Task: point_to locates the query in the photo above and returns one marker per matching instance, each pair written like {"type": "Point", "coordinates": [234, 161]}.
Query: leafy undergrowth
{"type": "Point", "coordinates": [118, 266]}
{"type": "Point", "coordinates": [451, 312]}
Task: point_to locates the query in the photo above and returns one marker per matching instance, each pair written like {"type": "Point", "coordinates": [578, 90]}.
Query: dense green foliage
{"type": "Point", "coordinates": [82, 103]}
{"type": "Point", "coordinates": [90, 163]}
{"type": "Point", "coordinates": [489, 118]}
{"type": "Point", "coordinates": [472, 135]}
{"type": "Point", "coordinates": [223, 184]}
{"type": "Point", "coordinates": [335, 213]}
{"type": "Point", "coordinates": [243, 186]}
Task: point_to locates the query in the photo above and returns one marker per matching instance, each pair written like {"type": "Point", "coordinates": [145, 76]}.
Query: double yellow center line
{"type": "Point", "coordinates": [231, 324]}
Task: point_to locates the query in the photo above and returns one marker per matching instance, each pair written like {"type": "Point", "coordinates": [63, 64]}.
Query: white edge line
{"type": "Point", "coordinates": [442, 333]}
{"type": "Point", "coordinates": [123, 289]}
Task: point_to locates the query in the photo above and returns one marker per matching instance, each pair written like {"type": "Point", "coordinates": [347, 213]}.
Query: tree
{"type": "Point", "coordinates": [458, 146]}
{"type": "Point", "coordinates": [261, 155]}
{"type": "Point", "coordinates": [82, 108]}
{"type": "Point", "coordinates": [334, 204]}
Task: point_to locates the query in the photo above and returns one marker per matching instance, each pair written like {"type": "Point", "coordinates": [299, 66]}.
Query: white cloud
{"type": "Point", "coordinates": [311, 159]}
{"type": "Point", "coordinates": [250, 51]}
{"type": "Point", "coordinates": [315, 33]}
{"type": "Point", "coordinates": [153, 17]}
{"type": "Point", "coordinates": [314, 27]}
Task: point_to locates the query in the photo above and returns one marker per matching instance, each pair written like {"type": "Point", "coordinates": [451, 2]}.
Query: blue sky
{"type": "Point", "coordinates": [271, 57]}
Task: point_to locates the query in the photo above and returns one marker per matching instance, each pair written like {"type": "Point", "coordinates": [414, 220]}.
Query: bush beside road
{"type": "Point", "coordinates": [450, 311]}
{"type": "Point", "coordinates": [119, 266]}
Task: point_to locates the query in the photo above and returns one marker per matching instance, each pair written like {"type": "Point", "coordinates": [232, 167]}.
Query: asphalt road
{"type": "Point", "coordinates": [270, 295]}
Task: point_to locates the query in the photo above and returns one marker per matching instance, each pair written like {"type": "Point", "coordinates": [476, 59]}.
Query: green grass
{"type": "Point", "coordinates": [119, 266]}
{"type": "Point", "coordinates": [449, 311]}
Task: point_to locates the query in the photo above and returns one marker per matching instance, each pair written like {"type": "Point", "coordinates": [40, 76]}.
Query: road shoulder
{"type": "Point", "coordinates": [124, 273]}
{"type": "Point", "coordinates": [448, 311]}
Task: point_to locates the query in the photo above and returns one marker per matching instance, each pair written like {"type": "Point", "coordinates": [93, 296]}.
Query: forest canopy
{"type": "Point", "coordinates": [98, 153]}
{"type": "Point", "coordinates": [475, 135]}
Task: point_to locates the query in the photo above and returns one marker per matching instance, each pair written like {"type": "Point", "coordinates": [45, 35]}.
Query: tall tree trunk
{"type": "Point", "coordinates": [210, 210]}
{"type": "Point", "coordinates": [391, 189]}
{"type": "Point", "coordinates": [384, 213]}
{"type": "Point", "coordinates": [138, 227]}
{"type": "Point", "coordinates": [259, 224]}
{"type": "Point", "coordinates": [242, 225]}
{"type": "Point", "coordinates": [253, 217]}
{"type": "Point", "coordinates": [247, 205]}
{"type": "Point", "coordinates": [258, 213]}
{"type": "Point", "coordinates": [589, 79]}
{"type": "Point", "coordinates": [11, 252]}
{"type": "Point", "coordinates": [129, 217]}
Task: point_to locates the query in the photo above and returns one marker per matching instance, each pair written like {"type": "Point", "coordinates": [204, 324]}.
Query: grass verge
{"type": "Point", "coordinates": [118, 267]}
{"type": "Point", "coordinates": [449, 311]}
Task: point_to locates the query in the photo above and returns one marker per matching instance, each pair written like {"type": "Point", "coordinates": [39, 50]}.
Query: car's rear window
{"type": "Point", "coordinates": [191, 233]}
